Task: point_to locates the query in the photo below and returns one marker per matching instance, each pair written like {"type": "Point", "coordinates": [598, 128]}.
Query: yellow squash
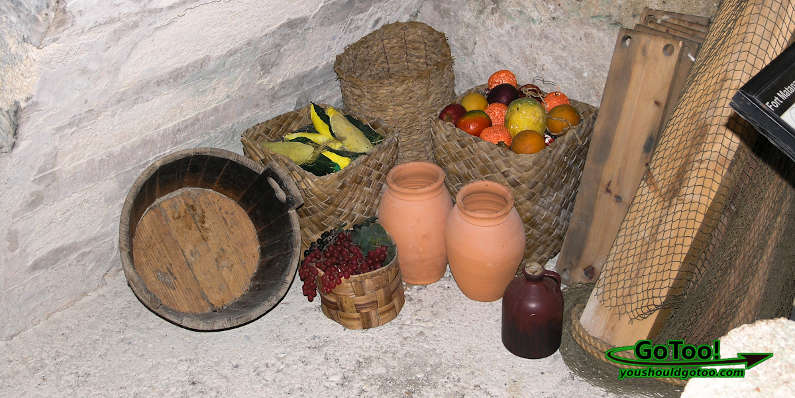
{"type": "Point", "coordinates": [352, 138]}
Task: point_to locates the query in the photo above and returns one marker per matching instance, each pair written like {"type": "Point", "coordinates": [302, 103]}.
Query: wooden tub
{"type": "Point", "coordinates": [209, 239]}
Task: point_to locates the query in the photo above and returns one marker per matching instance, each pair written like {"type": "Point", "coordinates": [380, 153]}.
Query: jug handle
{"type": "Point", "coordinates": [553, 275]}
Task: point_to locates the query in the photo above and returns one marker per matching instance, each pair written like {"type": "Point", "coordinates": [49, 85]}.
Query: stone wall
{"type": "Point", "coordinates": [567, 42]}
{"type": "Point", "coordinates": [23, 24]}
{"type": "Point", "coordinates": [110, 86]}
{"type": "Point", "coordinates": [125, 82]}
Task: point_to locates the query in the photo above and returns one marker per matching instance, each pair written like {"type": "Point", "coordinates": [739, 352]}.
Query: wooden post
{"type": "Point", "coordinates": [637, 98]}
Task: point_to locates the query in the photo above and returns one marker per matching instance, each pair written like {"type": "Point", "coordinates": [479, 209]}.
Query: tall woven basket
{"type": "Point", "coordinates": [403, 75]}
{"type": "Point", "coordinates": [543, 184]}
{"type": "Point", "coordinates": [346, 197]}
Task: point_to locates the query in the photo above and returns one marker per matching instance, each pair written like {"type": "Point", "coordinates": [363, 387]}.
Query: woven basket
{"type": "Point", "coordinates": [403, 75]}
{"type": "Point", "coordinates": [366, 300]}
{"type": "Point", "coordinates": [544, 184]}
{"type": "Point", "coordinates": [346, 197]}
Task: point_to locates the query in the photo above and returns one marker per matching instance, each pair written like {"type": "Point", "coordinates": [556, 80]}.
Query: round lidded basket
{"type": "Point", "coordinates": [401, 74]}
{"type": "Point", "coordinates": [209, 239]}
{"type": "Point", "coordinates": [346, 197]}
{"type": "Point", "coordinates": [366, 300]}
{"type": "Point", "coordinates": [544, 185]}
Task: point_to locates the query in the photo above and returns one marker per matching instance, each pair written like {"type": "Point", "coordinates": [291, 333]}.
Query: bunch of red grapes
{"type": "Point", "coordinates": [338, 257]}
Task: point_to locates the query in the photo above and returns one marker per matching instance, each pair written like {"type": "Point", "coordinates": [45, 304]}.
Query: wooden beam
{"type": "Point", "coordinates": [636, 100]}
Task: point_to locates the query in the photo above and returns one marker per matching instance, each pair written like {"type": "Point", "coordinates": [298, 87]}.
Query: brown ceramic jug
{"type": "Point", "coordinates": [485, 240]}
{"type": "Point", "coordinates": [413, 210]}
{"type": "Point", "coordinates": [532, 313]}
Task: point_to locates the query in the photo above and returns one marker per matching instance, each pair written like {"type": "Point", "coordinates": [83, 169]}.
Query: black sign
{"type": "Point", "coordinates": [767, 102]}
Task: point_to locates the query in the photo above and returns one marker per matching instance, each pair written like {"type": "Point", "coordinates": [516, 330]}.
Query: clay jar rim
{"type": "Point", "coordinates": [484, 218]}
{"type": "Point", "coordinates": [432, 174]}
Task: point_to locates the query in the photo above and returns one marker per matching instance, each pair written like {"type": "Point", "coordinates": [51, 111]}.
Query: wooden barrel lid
{"type": "Point", "coordinates": [196, 250]}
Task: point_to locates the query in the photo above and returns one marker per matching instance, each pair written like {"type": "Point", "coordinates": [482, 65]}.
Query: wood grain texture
{"type": "Point", "coordinates": [196, 249]}
{"type": "Point", "coordinates": [680, 200]}
{"type": "Point", "coordinates": [676, 30]}
{"type": "Point", "coordinates": [630, 116]}
{"type": "Point", "coordinates": [164, 270]}
{"type": "Point", "coordinates": [646, 29]}
{"type": "Point", "coordinates": [687, 56]}
{"type": "Point", "coordinates": [693, 22]}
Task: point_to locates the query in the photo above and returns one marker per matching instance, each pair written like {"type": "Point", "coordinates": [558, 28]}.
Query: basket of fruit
{"type": "Point", "coordinates": [401, 74]}
{"type": "Point", "coordinates": [356, 272]}
{"type": "Point", "coordinates": [519, 136]}
{"type": "Point", "coordinates": [338, 161]}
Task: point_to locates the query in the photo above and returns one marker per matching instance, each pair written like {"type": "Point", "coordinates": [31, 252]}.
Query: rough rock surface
{"type": "Point", "coordinates": [23, 25]}
{"type": "Point", "coordinates": [774, 377]}
{"type": "Point", "coordinates": [564, 45]}
{"type": "Point", "coordinates": [440, 345]}
{"type": "Point", "coordinates": [122, 83]}
{"type": "Point", "coordinates": [110, 86]}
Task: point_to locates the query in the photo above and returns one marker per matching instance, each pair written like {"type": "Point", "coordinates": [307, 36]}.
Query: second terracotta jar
{"type": "Point", "coordinates": [413, 210]}
{"type": "Point", "coordinates": [485, 240]}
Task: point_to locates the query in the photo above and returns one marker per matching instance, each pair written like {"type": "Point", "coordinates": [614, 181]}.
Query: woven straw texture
{"type": "Point", "coordinates": [597, 348]}
{"type": "Point", "coordinates": [346, 197]}
{"type": "Point", "coordinates": [367, 300]}
{"type": "Point", "coordinates": [585, 355]}
{"type": "Point", "coordinates": [543, 185]}
{"type": "Point", "coordinates": [401, 74]}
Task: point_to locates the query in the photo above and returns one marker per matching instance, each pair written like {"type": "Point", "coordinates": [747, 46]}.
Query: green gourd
{"type": "Point", "coordinates": [368, 131]}
{"type": "Point", "coordinates": [321, 166]}
{"type": "Point", "coordinates": [320, 119]}
{"type": "Point", "coordinates": [316, 138]}
{"type": "Point", "coordinates": [326, 163]}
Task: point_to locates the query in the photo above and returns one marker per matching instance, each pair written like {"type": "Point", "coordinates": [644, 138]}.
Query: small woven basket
{"type": "Point", "coordinates": [403, 75]}
{"type": "Point", "coordinates": [544, 184]}
{"type": "Point", "coordinates": [366, 300]}
{"type": "Point", "coordinates": [346, 197]}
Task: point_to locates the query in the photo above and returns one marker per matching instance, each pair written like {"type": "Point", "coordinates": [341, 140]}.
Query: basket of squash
{"type": "Point", "coordinates": [338, 161]}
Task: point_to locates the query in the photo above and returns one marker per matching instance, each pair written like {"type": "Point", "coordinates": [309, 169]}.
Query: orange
{"type": "Point", "coordinates": [561, 118]}
{"type": "Point", "coordinates": [474, 102]}
{"type": "Point", "coordinates": [528, 141]}
{"type": "Point", "coordinates": [495, 134]}
{"type": "Point", "coordinates": [554, 99]}
{"type": "Point", "coordinates": [502, 77]}
{"type": "Point", "coordinates": [496, 112]}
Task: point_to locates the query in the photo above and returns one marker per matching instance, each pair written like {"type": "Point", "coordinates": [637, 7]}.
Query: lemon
{"type": "Point", "coordinates": [474, 102]}
{"type": "Point", "coordinates": [525, 114]}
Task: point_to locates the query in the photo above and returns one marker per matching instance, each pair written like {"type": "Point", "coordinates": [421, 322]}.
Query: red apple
{"type": "Point", "coordinates": [451, 113]}
{"type": "Point", "coordinates": [473, 122]}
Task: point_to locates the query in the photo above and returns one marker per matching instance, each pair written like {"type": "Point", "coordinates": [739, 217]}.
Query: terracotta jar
{"type": "Point", "coordinates": [413, 210]}
{"type": "Point", "coordinates": [532, 313]}
{"type": "Point", "coordinates": [485, 240]}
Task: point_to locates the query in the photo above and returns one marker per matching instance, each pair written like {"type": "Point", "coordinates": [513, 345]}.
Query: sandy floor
{"type": "Point", "coordinates": [442, 344]}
